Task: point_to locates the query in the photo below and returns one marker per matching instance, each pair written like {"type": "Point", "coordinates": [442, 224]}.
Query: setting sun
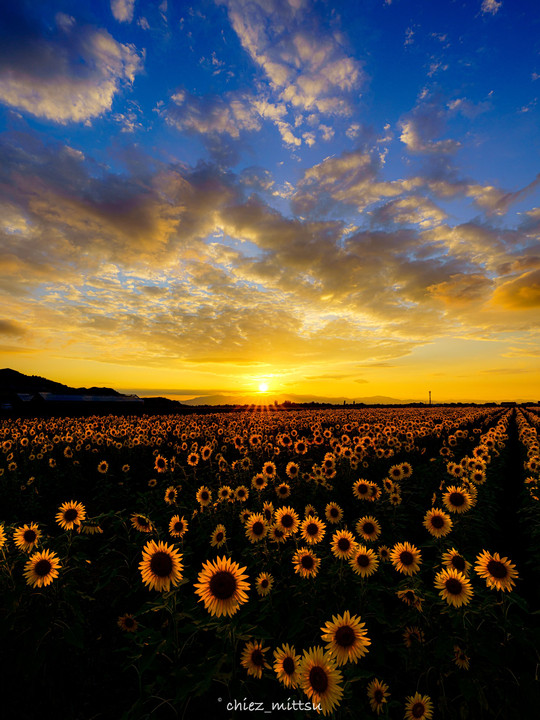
{"type": "Point", "coordinates": [263, 387]}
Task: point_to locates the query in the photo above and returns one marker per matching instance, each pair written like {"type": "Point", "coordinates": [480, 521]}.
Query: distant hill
{"type": "Point", "coordinates": [12, 381]}
{"type": "Point", "coordinates": [268, 399]}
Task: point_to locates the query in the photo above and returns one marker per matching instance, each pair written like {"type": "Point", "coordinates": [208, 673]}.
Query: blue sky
{"type": "Point", "coordinates": [324, 195]}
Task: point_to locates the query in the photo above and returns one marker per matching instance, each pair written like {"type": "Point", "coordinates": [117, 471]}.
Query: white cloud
{"type": "Point", "coordinates": [123, 10]}
{"type": "Point", "coordinates": [72, 77]}
{"type": "Point", "coordinates": [491, 6]}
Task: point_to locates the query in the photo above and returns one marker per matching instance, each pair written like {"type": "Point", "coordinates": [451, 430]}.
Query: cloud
{"type": "Point", "coordinates": [410, 210]}
{"type": "Point", "coordinates": [422, 125]}
{"type": "Point", "coordinates": [8, 327]}
{"type": "Point", "coordinates": [213, 114]}
{"type": "Point", "coordinates": [491, 6]}
{"type": "Point", "coordinates": [521, 293]}
{"type": "Point", "coordinates": [307, 68]}
{"type": "Point", "coordinates": [123, 10]}
{"type": "Point", "coordinates": [72, 75]}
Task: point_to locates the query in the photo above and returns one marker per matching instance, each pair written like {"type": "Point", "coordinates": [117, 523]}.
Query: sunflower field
{"type": "Point", "coordinates": [342, 563]}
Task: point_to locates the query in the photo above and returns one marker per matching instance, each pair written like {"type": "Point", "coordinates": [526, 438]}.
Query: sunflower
{"type": "Point", "coordinates": [452, 559]}
{"type": "Point", "coordinates": [320, 680]}
{"type": "Point", "coordinates": [409, 597]}
{"type": "Point", "coordinates": [26, 537]}
{"type": "Point", "coordinates": [141, 523]}
{"type": "Point", "coordinates": [161, 565]}
{"type": "Point", "coordinates": [292, 470]}
{"type": "Point", "coordinates": [396, 473]}
{"type": "Point", "coordinates": [286, 665]}
{"type": "Point", "coordinates": [346, 638]}
{"type": "Point", "coordinates": [127, 623]}
{"type": "Point", "coordinates": [152, 482]}
{"type": "Point", "coordinates": [460, 658]}
{"type": "Point", "coordinates": [222, 586]}
{"type": "Point", "coordinates": [412, 635]}
{"type": "Point", "coordinates": [269, 470]}
{"type": "Point", "coordinates": [418, 707]}
{"type": "Point", "coordinates": [343, 544]}
{"type": "Point", "coordinates": [90, 528]}
{"type": "Point", "coordinates": [178, 526]}
{"type": "Point", "coordinates": [268, 511]}
{"type": "Point", "coordinates": [499, 573]}
{"type": "Point", "coordinates": [306, 564]}
{"type": "Point", "coordinates": [437, 522]}
{"type": "Point", "coordinates": [333, 512]}
{"type": "Point", "coordinates": [192, 459]}
{"type": "Point", "coordinates": [256, 527]}
{"type": "Point", "coordinates": [309, 510]}
{"type": "Point", "coordinates": [218, 537]}
{"type": "Point", "coordinates": [369, 528]}
{"type": "Point", "coordinates": [263, 583]}
{"type": "Point", "coordinates": [259, 482]}
{"type": "Point", "coordinates": [364, 562]}
{"type": "Point", "coordinates": [457, 499]}
{"type": "Point", "coordinates": [454, 587]}
{"type": "Point", "coordinates": [377, 693]}
{"type": "Point", "coordinates": [70, 514]}
{"type": "Point", "coordinates": [225, 493]}
{"type": "Point", "coordinates": [406, 558]}
{"type": "Point", "coordinates": [287, 519]}
{"type": "Point", "coordinates": [253, 658]}
{"type": "Point", "coordinates": [103, 467]}
{"type": "Point", "coordinates": [171, 493]}
{"type": "Point", "coordinates": [241, 493]}
{"type": "Point", "coordinates": [364, 490]}
{"type": "Point", "coordinates": [283, 490]}
{"type": "Point", "coordinates": [160, 464]}
{"type": "Point", "coordinates": [384, 553]}
{"type": "Point", "coordinates": [42, 568]}
{"type": "Point", "coordinates": [312, 530]}
{"type": "Point", "coordinates": [204, 496]}
{"type": "Point", "coordinates": [276, 534]}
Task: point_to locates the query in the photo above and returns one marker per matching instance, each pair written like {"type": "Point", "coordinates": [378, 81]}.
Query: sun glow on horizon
{"type": "Point", "coordinates": [263, 387]}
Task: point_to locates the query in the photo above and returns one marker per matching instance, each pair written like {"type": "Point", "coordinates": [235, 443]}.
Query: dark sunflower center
{"type": "Point", "coordinates": [453, 586]}
{"type": "Point", "coordinates": [287, 521]}
{"type": "Point", "coordinates": [257, 658]}
{"type": "Point", "coordinates": [458, 562]}
{"type": "Point", "coordinates": [278, 533]}
{"type": "Point", "coordinates": [179, 526]}
{"type": "Point", "coordinates": [318, 679]}
{"type": "Point", "coordinates": [307, 562]}
{"type": "Point", "coordinates": [283, 489]}
{"type": "Point", "coordinates": [204, 496]}
{"type": "Point", "coordinates": [312, 528]}
{"type": "Point", "coordinates": [129, 622]}
{"type": "Point", "coordinates": [409, 595]}
{"type": "Point", "coordinates": [406, 558]}
{"type": "Point", "coordinates": [457, 499]}
{"type": "Point", "coordinates": [264, 583]}
{"type": "Point", "coordinates": [363, 489]}
{"type": "Point", "coordinates": [378, 696]}
{"type": "Point", "coordinates": [496, 569]}
{"type": "Point", "coordinates": [334, 512]}
{"type": "Point", "coordinates": [288, 665]}
{"type": "Point", "coordinates": [418, 709]}
{"type": "Point", "coordinates": [161, 564]}
{"type": "Point", "coordinates": [362, 560]}
{"type": "Point", "coordinates": [222, 585]}
{"type": "Point", "coordinates": [258, 528]}
{"type": "Point", "coordinates": [219, 536]}
{"type": "Point", "coordinates": [343, 544]}
{"type": "Point", "coordinates": [71, 515]}
{"type": "Point", "coordinates": [42, 568]}
{"type": "Point", "coordinates": [344, 636]}
{"type": "Point", "coordinates": [29, 536]}
{"type": "Point", "coordinates": [437, 521]}
{"type": "Point", "coordinates": [369, 528]}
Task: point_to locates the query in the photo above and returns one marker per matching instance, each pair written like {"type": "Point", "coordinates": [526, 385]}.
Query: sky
{"type": "Point", "coordinates": [272, 197]}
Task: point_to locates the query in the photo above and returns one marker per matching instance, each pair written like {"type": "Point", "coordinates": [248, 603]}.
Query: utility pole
{"type": "Point", "coordinates": [430, 397]}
